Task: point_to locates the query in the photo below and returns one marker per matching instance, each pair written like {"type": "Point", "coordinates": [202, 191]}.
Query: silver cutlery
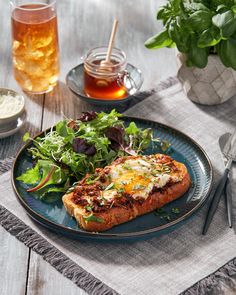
{"type": "Point", "coordinates": [227, 189]}
{"type": "Point", "coordinates": [229, 152]}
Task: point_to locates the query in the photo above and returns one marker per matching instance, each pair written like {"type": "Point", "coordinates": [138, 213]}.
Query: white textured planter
{"type": "Point", "coordinates": [212, 85]}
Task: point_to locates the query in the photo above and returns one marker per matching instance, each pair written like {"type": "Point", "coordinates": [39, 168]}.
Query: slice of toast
{"type": "Point", "coordinates": [130, 187]}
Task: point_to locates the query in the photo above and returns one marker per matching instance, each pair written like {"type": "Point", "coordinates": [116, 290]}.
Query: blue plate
{"type": "Point", "coordinates": [183, 149]}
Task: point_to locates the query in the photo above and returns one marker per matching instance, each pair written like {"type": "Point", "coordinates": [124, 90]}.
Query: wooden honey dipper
{"type": "Point", "coordinates": [107, 64]}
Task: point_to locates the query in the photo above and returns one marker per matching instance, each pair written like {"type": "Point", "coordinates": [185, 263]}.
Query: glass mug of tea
{"type": "Point", "coordinates": [107, 81]}
{"type": "Point", "coordinates": [35, 49]}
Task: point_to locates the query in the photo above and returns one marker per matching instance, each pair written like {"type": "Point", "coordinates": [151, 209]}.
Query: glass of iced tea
{"type": "Point", "coordinates": [35, 49]}
{"type": "Point", "coordinates": [107, 82]}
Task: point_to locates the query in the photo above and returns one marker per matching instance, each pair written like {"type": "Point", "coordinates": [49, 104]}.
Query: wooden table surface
{"type": "Point", "coordinates": [82, 25]}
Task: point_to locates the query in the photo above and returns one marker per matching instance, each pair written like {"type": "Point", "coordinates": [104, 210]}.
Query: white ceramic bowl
{"type": "Point", "coordinates": [14, 115]}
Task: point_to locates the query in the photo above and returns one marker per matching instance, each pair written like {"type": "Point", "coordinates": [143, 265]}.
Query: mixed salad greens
{"type": "Point", "coordinates": [74, 148]}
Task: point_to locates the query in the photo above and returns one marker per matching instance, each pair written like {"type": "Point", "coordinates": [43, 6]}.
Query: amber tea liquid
{"type": "Point", "coordinates": [35, 47]}
{"type": "Point", "coordinates": [103, 86]}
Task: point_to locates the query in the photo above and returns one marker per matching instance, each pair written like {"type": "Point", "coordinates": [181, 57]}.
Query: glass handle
{"type": "Point", "coordinates": [125, 80]}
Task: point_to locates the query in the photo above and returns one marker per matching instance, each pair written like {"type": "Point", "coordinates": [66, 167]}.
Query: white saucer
{"type": "Point", "coordinates": [12, 127]}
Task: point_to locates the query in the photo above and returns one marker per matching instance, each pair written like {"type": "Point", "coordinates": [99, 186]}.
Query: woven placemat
{"type": "Point", "coordinates": [167, 252]}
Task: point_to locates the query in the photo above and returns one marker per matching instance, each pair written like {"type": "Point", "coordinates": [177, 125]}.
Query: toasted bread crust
{"type": "Point", "coordinates": [118, 215]}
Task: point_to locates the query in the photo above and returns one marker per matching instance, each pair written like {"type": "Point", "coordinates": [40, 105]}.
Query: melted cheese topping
{"type": "Point", "coordinates": [137, 177]}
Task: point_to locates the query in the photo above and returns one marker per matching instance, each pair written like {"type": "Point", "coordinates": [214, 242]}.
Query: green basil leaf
{"type": "Point", "coordinates": [173, 44]}
{"type": "Point", "coordinates": [198, 56]}
{"type": "Point", "coordinates": [214, 4]}
{"type": "Point", "coordinates": [209, 37]}
{"type": "Point", "coordinates": [227, 52]}
{"type": "Point", "coordinates": [220, 52]}
{"type": "Point", "coordinates": [180, 36]}
{"type": "Point", "coordinates": [221, 8]}
{"type": "Point", "coordinates": [191, 7]}
{"type": "Point", "coordinates": [93, 218]}
{"type": "Point", "coordinates": [176, 5]}
{"type": "Point", "coordinates": [200, 20]}
{"type": "Point", "coordinates": [162, 13]}
{"type": "Point", "coordinates": [229, 29]}
{"type": "Point", "coordinates": [158, 41]}
{"type": "Point", "coordinates": [233, 8]}
{"type": "Point", "coordinates": [226, 22]}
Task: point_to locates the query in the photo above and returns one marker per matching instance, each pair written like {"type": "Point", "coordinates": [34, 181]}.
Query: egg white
{"type": "Point", "coordinates": [135, 176]}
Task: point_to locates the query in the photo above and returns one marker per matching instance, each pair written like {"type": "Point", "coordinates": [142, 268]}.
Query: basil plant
{"type": "Point", "coordinates": [198, 28]}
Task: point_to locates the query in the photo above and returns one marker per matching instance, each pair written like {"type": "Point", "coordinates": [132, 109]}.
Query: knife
{"type": "Point", "coordinates": [229, 203]}
{"type": "Point", "coordinates": [227, 189]}
{"type": "Point", "coordinates": [230, 153]}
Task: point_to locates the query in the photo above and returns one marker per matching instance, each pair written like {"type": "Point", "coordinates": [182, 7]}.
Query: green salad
{"type": "Point", "coordinates": [74, 148]}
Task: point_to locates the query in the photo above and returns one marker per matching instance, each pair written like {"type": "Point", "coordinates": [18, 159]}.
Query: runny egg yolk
{"type": "Point", "coordinates": [137, 177]}
{"type": "Point", "coordinates": [131, 182]}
